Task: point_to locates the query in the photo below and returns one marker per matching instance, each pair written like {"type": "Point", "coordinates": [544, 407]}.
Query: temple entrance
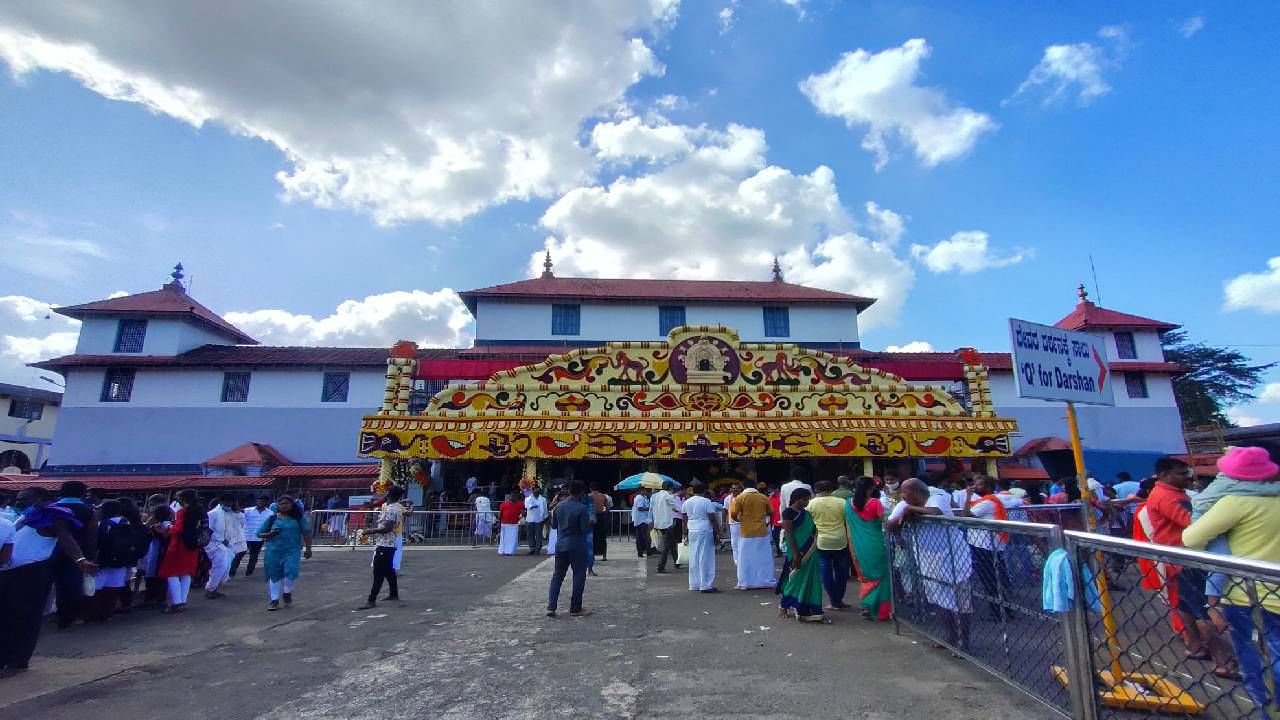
{"type": "Point", "coordinates": [700, 403]}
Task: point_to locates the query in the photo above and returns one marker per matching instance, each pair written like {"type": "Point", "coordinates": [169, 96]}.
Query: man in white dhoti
{"type": "Point", "coordinates": [751, 511]}
{"type": "Point", "coordinates": [509, 513]}
{"type": "Point", "coordinates": [700, 534]}
{"type": "Point", "coordinates": [941, 555]}
{"type": "Point", "coordinates": [219, 547]}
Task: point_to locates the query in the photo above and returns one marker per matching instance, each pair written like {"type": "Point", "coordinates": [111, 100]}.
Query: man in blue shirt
{"type": "Point", "coordinates": [572, 523]}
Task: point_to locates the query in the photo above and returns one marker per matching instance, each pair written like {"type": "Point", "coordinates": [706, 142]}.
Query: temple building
{"type": "Point", "coordinates": [750, 377]}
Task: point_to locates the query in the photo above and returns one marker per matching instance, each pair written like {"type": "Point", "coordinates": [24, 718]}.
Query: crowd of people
{"type": "Point", "coordinates": [93, 558]}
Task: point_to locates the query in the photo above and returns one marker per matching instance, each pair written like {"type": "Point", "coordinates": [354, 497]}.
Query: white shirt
{"type": "Point", "coordinates": [535, 509]}
{"type": "Point", "coordinates": [253, 520]}
{"type": "Point", "coordinates": [942, 553]}
{"type": "Point", "coordinates": [218, 526]}
{"type": "Point", "coordinates": [957, 497]}
{"type": "Point", "coordinates": [698, 509]}
{"type": "Point", "coordinates": [6, 532]}
{"type": "Point", "coordinates": [640, 511]}
{"type": "Point", "coordinates": [663, 505]}
{"type": "Point", "coordinates": [981, 537]}
{"type": "Point", "coordinates": [788, 488]}
{"type": "Point", "coordinates": [29, 547]}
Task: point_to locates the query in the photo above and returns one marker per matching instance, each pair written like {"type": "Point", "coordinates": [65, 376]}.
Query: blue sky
{"type": "Point", "coordinates": [293, 171]}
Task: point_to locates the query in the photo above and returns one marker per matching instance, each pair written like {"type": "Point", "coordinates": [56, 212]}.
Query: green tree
{"type": "Point", "coordinates": [1216, 378]}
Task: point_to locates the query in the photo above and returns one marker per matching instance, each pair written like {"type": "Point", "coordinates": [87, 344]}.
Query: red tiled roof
{"type": "Point", "coordinates": [172, 299]}
{"type": "Point", "coordinates": [1087, 315]}
{"type": "Point", "coordinates": [250, 453]}
{"type": "Point", "coordinates": [218, 355]}
{"type": "Point", "coordinates": [753, 291]}
{"type": "Point", "coordinates": [1157, 367]}
{"type": "Point", "coordinates": [363, 470]}
{"type": "Point", "coordinates": [1205, 464]}
{"type": "Point", "coordinates": [1043, 444]}
{"type": "Point", "coordinates": [1018, 472]}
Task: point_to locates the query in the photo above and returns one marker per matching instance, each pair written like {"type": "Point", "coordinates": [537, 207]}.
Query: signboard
{"type": "Point", "coordinates": [1054, 364]}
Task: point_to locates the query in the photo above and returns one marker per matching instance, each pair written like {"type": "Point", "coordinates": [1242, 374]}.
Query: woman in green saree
{"type": "Point", "coordinates": [865, 518]}
{"type": "Point", "coordinates": [802, 590]}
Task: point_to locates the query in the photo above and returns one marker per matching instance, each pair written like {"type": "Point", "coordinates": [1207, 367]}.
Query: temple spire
{"type": "Point", "coordinates": [177, 275]}
{"type": "Point", "coordinates": [777, 270]}
{"type": "Point", "coordinates": [546, 267]}
{"type": "Point", "coordinates": [1082, 293]}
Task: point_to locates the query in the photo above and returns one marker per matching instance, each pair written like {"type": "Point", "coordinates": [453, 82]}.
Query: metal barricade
{"type": "Point", "coordinates": [1161, 620]}
{"type": "Point", "coordinates": [1153, 631]}
{"type": "Point", "coordinates": [974, 586]}
{"type": "Point", "coordinates": [421, 527]}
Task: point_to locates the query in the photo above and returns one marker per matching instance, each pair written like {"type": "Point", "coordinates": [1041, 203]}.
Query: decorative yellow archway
{"type": "Point", "coordinates": [701, 394]}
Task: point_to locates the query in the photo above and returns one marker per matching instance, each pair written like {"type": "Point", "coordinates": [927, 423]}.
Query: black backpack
{"type": "Point", "coordinates": [197, 534]}
{"type": "Point", "coordinates": [120, 545]}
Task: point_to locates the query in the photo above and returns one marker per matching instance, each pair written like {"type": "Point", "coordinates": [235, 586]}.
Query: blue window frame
{"type": "Point", "coordinates": [669, 316]}
{"type": "Point", "coordinates": [117, 385]}
{"type": "Point", "coordinates": [336, 387]}
{"type": "Point", "coordinates": [235, 386]}
{"type": "Point", "coordinates": [1135, 385]}
{"type": "Point", "coordinates": [130, 335]}
{"type": "Point", "coordinates": [566, 319]}
{"type": "Point", "coordinates": [777, 322]}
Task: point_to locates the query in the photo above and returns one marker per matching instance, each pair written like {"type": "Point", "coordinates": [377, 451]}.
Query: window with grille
{"type": "Point", "coordinates": [336, 387]}
{"type": "Point", "coordinates": [235, 386]}
{"type": "Point", "coordinates": [777, 322]}
{"type": "Point", "coordinates": [26, 409]}
{"type": "Point", "coordinates": [1135, 384]}
{"type": "Point", "coordinates": [670, 316]}
{"type": "Point", "coordinates": [566, 319]}
{"type": "Point", "coordinates": [117, 385]}
{"type": "Point", "coordinates": [130, 335]}
{"type": "Point", "coordinates": [1125, 349]}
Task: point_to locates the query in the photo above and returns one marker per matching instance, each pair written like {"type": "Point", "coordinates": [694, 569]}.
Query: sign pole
{"type": "Point", "coordinates": [1100, 579]}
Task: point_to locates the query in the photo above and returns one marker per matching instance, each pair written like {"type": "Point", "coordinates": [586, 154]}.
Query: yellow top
{"type": "Point", "coordinates": [751, 508]}
{"type": "Point", "coordinates": [1252, 526]}
{"type": "Point", "coordinates": [828, 515]}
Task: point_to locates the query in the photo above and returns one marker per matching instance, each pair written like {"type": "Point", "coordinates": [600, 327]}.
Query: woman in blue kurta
{"type": "Point", "coordinates": [284, 535]}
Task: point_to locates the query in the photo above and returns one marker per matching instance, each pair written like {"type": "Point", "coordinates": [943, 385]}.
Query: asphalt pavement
{"type": "Point", "coordinates": [471, 640]}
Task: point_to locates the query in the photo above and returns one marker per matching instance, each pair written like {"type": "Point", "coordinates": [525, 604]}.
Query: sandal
{"type": "Point", "coordinates": [1200, 655]}
{"type": "Point", "coordinates": [1228, 674]}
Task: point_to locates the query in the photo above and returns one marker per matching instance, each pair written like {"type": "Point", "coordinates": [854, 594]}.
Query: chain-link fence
{"type": "Point", "coordinates": [974, 586]}
{"type": "Point", "coordinates": [1151, 630]}
{"type": "Point", "coordinates": [1178, 632]}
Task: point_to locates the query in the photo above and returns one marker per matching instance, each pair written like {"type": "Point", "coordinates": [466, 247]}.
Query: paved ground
{"type": "Point", "coordinates": [471, 641]}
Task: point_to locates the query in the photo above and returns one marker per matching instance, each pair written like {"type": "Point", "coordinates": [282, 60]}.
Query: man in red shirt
{"type": "Point", "coordinates": [1169, 512]}
{"type": "Point", "coordinates": [509, 513]}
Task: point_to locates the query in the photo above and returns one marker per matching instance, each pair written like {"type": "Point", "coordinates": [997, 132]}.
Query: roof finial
{"type": "Point", "coordinates": [1082, 293]}
{"type": "Point", "coordinates": [177, 276]}
{"type": "Point", "coordinates": [777, 270]}
{"type": "Point", "coordinates": [546, 267]}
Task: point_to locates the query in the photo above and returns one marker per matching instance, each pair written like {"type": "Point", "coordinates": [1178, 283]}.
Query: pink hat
{"type": "Point", "coordinates": [1248, 463]}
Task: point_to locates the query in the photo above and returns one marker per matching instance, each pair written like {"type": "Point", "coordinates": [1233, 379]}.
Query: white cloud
{"type": "Point", "coordinates": [633, 138]}
{"type": "Point", "coordinates": [1191, 26]}
{"type": "Point", "coordinates": [406, 111]}
{"type": "Point", "coordinates": [43, 249]}
{"type": "Point", "coordinates": [967, 252]}
{"type": "Point", "coordinates": [720, 210]}
{"type": "Point", "coordinates": [118, 294]}
{"type": "Point", "coordinates": [1255, 291]}
{"type": "Point", "coordinates": [1241, 417]}
{"type": "Point", "coordinates": [879, 91]}
{"type": "Point", "coordinates": [1270, 394]}
{"type": "Point", "coordinates": [915, 346]}
{"type": "Point", "coordinates": [1077, 70]}
{"type": "Point", "coordinates": [726, 18]}
{"type": "Point", "coordinates": [31, 331]}
{"type": "Point", "coordinates": [430, 319]}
